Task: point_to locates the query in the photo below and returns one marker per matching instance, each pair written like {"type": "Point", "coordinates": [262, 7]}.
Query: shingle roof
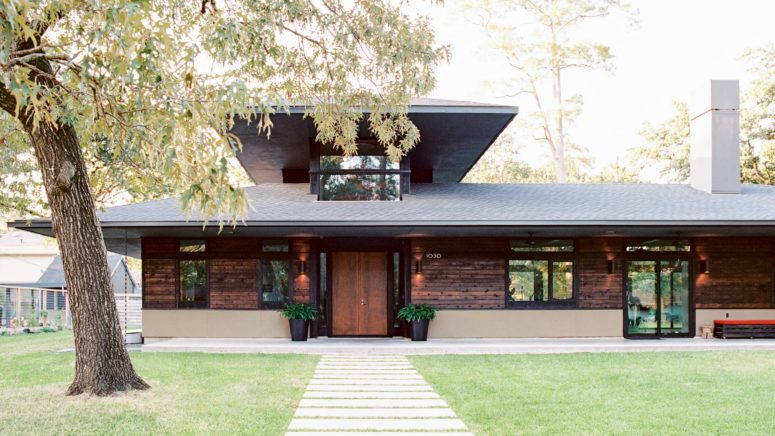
{"type": "Point", "coordinates": [503, 204]}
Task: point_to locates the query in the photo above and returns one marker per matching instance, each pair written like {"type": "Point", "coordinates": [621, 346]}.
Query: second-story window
{"type": "Point", "coordinates": [358, 178]}
{"type": "Point", "coordinates": [369, 175]}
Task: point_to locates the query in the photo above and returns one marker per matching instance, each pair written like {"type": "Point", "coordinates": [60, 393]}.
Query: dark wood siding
{"type": "Point", "coordinates": [233, 284]}
{"type": "Point", "coordinates": [159, 285]}
{"type": "Point", "coordinates": [741, 273]}
{"type": "Point", "coordinates": [471, 273]}
{"type": "Point", "coordinates": [232, 268]}
{"type": "Point", "coordinates": [597, 288]}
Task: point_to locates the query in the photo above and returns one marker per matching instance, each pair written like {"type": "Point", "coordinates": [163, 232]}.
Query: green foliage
{"type": "Point", "coordinates": [757, 118]}
{"type": "Point", "coordinates": [416, 312]}
{"type": "Point", "coordinates": [302, 311]}
{"type": "Point", "coordinates": [153, 88]}
{"type": "Point", "coordinates": [668, 145]}
{"type": "Point", "coordinates": [537, 38]}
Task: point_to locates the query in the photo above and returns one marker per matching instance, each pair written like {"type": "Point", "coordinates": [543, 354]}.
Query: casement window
{"type": "Point", "coordinates": [541, 274]}
{"type": "Point", "coordinates": [193, 285]}
{"type": "Point", "coordinates": [275, 273]}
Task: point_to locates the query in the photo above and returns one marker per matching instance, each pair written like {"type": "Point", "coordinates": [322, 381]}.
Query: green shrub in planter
{"type": "Point", "coordinates": [299, 315]}
{"type": "Point", "coordinates": [417, 312]}
{"type": "Point", "coordinates": [301, 311]}
{"type": "Point", "coordinates": [419, 315]}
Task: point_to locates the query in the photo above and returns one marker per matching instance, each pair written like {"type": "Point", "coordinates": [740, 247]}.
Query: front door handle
{"type": "Point", "coordinates": [363, 302]}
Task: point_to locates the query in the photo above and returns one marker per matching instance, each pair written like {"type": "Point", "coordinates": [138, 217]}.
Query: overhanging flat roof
{"type": "Point", "coordinates": [453, 136]}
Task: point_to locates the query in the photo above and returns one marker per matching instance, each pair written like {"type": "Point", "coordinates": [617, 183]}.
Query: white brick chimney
{"type": "Point", "coordinates": [715, 138]}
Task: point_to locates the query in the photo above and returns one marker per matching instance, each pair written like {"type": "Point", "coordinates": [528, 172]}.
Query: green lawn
{"type": "Point", "coordinates": [616, 393]}
{"type": "Point", "coordinates": [191, 392]}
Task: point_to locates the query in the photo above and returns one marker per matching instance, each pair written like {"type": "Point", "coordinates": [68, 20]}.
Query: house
{"type": "Point", "coordinates": [30, 260]}
{"type": "Point", "coordinates": [359, 237]}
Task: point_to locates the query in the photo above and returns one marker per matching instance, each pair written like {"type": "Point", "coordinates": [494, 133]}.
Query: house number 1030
{"type": "Point", "coordinates": [433, 255]}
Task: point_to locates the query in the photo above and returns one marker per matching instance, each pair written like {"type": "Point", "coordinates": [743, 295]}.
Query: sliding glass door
{"type": "Point", "coordinates": [657, 298]}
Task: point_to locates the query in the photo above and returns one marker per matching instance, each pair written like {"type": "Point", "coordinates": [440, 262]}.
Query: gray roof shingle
{"type": "Point", "coordinates": [486, 203]}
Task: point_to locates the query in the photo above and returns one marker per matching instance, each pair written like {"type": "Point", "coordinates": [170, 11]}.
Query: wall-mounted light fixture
{"type": "Point", "coordinates": [611, 266]}
{"type": "Point", "coordinates": [704, 266]}
{"type": "Point", "coordinates": [418, 266]}
{"type": "Point", "coordinates": [302, 267]}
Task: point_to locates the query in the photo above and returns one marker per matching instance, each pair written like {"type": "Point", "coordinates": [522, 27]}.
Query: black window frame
{"type": "Point", "coordinates": [403, 172]}
{"type": "Point", "coordinates": [551, 257]}
{"type": "Point", "coordinates": [668, 242]}
{"type": "Point", "coordinates": [183, 256]}
{"type": "Point", "coordinates": [285, 256]}
{"type": "Point", "coordinates": [181, 304]}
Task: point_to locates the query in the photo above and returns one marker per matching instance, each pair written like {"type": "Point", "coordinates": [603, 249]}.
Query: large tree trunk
{"type": "Point", "coordinates": [102, 364]}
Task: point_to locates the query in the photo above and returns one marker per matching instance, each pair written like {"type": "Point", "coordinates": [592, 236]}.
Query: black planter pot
{"type": "Point", "coordinates": [420, 330]}
{"type": "Point", "coordinates": [299, 328]}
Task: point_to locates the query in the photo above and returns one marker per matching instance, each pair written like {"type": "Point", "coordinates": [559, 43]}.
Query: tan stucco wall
{"type": "Point", "coordinates": [706, 316]}
{"type": "Point", "coordinates": [526, 323]}
{"type": "Point", "coordinates": [213, 324]}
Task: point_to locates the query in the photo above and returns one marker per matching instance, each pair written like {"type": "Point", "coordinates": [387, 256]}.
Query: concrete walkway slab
{"type": "Point", "coordinates": [404, 380]}
{"type": "Point", "coordinates": [361, 377]}
{"type": "Point", "coordinates": [374, 395]}
{"type": "Point", "coordinates": [369, 388]}
{"type": "Point", "coordinates": [394, 403]}
{"type": "Point", "coordinates": [377, 424]}
{"type": "Point", "coordinates": [375, 412]}
{"type": "Point", "coordinates": [366, 371]}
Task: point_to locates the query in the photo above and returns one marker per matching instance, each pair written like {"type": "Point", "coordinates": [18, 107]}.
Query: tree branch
{"type": "Point", "coordinates": [7, 100]}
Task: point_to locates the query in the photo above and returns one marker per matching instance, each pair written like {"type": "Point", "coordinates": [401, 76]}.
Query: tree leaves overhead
{"type": "Point", "coordinates": [154, 87]}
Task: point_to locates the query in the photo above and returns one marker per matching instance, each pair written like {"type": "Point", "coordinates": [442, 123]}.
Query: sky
{"type": "Point", "coordinates": [677, 46]}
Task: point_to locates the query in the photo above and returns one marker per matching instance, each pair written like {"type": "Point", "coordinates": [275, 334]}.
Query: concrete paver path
{"type": "Point", "coordinates": [372, 394]}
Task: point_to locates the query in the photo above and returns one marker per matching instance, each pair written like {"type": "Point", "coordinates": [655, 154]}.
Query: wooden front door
{"type": "Point", "coordinates": [359, 294]}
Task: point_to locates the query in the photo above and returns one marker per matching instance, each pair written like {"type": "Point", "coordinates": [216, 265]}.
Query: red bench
{"type": "Point", "coordinates": [744, 328]}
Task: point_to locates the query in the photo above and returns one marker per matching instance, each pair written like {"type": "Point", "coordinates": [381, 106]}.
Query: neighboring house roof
{"type": "Point", "coordinates": [18, 242]}
{"type": "Point", "coordinates": [32, 260]}
{"type": "Point", "coordinates": [54, 275]}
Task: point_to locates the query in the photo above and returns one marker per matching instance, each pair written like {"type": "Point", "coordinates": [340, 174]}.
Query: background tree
{"type": "Point", "coordinates": [668, 146]}
{"type": "Point", "coordinates": [124, 79]}
{"type": "Point", "coordinates": [757, 118]}
{"type": "Point", "coordinates": [537, 37]}
{"type": "Point", "coordinates": [668, 142]}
